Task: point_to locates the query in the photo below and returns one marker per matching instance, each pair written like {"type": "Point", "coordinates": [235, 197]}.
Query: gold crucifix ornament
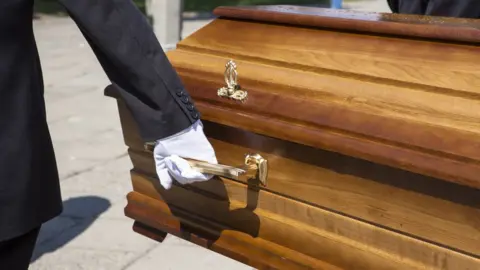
{"type": "Point", "coordinates": [232, 89]}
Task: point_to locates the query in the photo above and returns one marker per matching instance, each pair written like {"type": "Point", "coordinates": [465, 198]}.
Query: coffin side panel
{"type": "Point", "coordinates": [370, 57]}
{"type": "Point", "coordinates": [191, 226]}
{"type": "Point", "coordinates": [321, 235]}
{"type": "Point", "coordinates": [371, 192]}
{"type": "Point", "coordinates": [443, 126]}
{"type": "Point", "coordinates": [347, 199]}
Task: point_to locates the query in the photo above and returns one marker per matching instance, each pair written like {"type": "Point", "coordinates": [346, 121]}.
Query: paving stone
{"type": "Point", "coordinates": [102, 234]}
{"type": "Point", "coordinates": [80, 206]}
{"type": "Point", "coordinates": [102, 146]}
{"type": "Point", "coordinates": [368, 5]}
{"type": "Point", "coordinates": [53, 95]}
{"type": "Point", "coordinates": [93, 193]}
{"type": "Point", "coordinates": [117, 211]}
{"type": "Point", "coordinates": [54, 227]}
{"type": "Point", "coordinates": [175, 253]}
{"type": "Point", "coordinates": [83, 259]}
{"type": "Point", "coordinates": [69, 165]}
{"type": "Point", "coordinates": [120, 165]}
{"type": "Point", "coordinates": [90, 105]}
{"type": "Point", "coordinates": [111, 172]}
{"type": "Point", "coordinates": [74, 156]}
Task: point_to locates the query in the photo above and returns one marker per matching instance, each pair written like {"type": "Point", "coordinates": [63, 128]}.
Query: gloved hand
{"type": "Point", "coordinates": [168, 153]}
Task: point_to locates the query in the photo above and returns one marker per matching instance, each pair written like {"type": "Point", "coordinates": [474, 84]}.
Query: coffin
{"type": "Point", "coordinates": [370, 124]}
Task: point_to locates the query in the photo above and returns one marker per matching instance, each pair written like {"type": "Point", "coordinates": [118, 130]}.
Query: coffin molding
{"type": "Point", "coordinates": [372, 141]}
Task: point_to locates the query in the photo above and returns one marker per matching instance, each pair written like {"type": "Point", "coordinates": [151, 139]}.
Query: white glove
{"type": "Point", "coordinates": [190, 143]}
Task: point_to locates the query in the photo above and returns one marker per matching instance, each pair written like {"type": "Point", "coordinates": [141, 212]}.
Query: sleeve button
{"type": "Point", "coordinates": [185, 99]}
{"type": "Point", "coordinates": [195, 115]}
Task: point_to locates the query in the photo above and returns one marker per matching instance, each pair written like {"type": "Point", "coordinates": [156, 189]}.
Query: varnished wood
{"type": "Point", "coordinates": [377, 194]}
{"type": "Point", "coordinates": [447, 28]}
{"type": "Point", "coordinates": [346, 131]}
{"type": "Point", "coordinates": [332, 237]}
{"type": "Point", "coordinates": [370, 125]}
{"type": "Point", "coordinates": [149, 232]}
{"type": "Point", "coordinates": [384, 101]}
{"type": "Point", "coordinates": [254, 251]}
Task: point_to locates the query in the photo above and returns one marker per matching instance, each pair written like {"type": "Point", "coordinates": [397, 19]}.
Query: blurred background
{"type": "Point", "coordinates": [51, 6]}
{"type": "Point", "coordinates": [92, 233]}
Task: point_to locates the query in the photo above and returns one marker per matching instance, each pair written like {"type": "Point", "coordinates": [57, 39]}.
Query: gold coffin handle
{"type": "Point", "coordinates": [255, 165]}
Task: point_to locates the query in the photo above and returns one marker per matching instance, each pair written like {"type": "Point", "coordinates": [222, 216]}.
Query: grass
{"type": "Point", "coordinates": [52, 7]}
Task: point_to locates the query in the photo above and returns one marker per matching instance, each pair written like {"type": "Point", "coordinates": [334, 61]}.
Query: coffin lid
{"type": "Point", "coordinates": [446, 28]}
{"type": "Point", "coordinates": [399, 90]}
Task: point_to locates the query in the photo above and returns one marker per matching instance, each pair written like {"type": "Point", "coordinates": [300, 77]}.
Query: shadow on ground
{"type": "Point", "coordinates": [78, 214]}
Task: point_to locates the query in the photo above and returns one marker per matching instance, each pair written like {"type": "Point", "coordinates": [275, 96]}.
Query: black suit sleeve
{"type": "Point", "coordinates": [393, 4]}
{"type": "Point", "coordinates": [417, 7]}
{"type": "Point", "coordinates": [454, 8]}
{"type": "Point", "coordinates": [130, 54]}
{"type": "Point", "coordinates": [445, 8]}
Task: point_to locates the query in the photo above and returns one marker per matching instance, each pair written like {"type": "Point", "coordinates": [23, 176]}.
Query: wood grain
{"type": "Point", "coordinates": [256, 252]}
{"type": "Point", "coordinates": [317, 233]}
{"type": "Point", "coordinates": [371, 127]}
{"type": "Point", "coordinates": [380, 195]}
{"type": "Point", "coordinates": [446, 28]}
{"type": "Point", "coordinates": [275, 85]}
{"type": "Point", "coordinates": [424, 148]}
{"type": "Point", "coordinates": [149, 232]}
{"type": "Point", "coordinates": [377, 194]}
{"type": "Point", "coordinates": [381, 101]}
{"type": "Point", "coordinates": [403, 61]}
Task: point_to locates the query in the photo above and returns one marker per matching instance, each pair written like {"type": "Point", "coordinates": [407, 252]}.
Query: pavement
{"type": "Point", "coordinates": [367, 5]}
{"type": "Point", "coordinates": [92, 233]}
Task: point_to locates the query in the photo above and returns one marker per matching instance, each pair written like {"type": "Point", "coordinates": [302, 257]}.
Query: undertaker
{"type": "Point", "coordinates": [445, 8]}
{"type": "Point", "coordinates": [136, 65]}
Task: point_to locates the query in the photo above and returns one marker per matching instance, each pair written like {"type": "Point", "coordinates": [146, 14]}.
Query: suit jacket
{"type": "Point", "coordinates": [446, 8]}
{"type": "Point", "coordinates": [134, 61]}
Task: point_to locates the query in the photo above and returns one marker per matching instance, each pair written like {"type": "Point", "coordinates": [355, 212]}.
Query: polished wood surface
{"type": "Point", "coordinates": [332, 238]}
{"type": "Point", "coordinates": [357, 203]}
{"type": "Point", "coordinates": [390, 100]}
{"type": "Point", "coordinates": [257, 252]}
{"type": "Point", "coordinates": [366, 188]}
{"type": "Point", "coordinates": [372, 140]}
{"type": "Point", "coordinates": [452, 29]}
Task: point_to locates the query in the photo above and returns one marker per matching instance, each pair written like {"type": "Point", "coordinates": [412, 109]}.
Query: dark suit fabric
{"type": "Point", "coordinates": [445, 8]}
{"type": "Point", "coordinates": [16, 253]}
{"type": "Point", "coordinates": [134, 61]}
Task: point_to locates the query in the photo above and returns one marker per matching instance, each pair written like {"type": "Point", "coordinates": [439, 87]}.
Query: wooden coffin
{"type": "Point", "coordinates": [370, 124]}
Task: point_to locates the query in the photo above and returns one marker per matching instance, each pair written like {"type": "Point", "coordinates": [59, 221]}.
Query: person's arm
{"type": "Point", "coordinates": [445, 8]}
{"type": "Point", "coordinates": [134, 61]}
{"type": "Point", "coordinates": [130, 54]}
{"type": "Point", "coordinates": [417, 7]}
{"type": "Point", "coordinates": [454, 8]}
